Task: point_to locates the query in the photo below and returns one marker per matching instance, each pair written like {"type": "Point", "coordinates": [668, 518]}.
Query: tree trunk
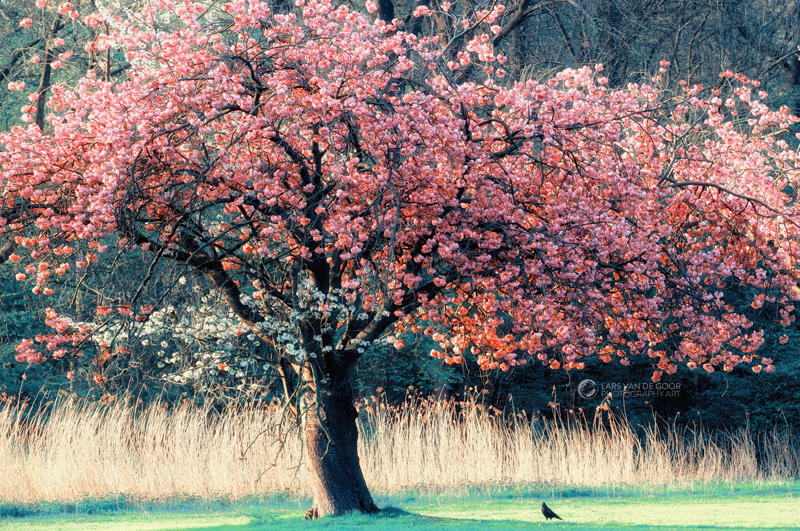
{"type": "Point", "coordinates": [331, 442]}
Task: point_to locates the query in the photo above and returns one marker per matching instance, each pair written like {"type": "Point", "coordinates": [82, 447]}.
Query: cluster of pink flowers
{"type": "Point", "coordinates": [546, 221]}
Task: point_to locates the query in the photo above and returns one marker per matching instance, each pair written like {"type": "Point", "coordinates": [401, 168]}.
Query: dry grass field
{"type": "Point", "coordinates": [90, 450]}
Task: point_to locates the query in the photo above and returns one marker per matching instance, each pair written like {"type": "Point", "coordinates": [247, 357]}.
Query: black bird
{"type": "Point", "coordinates": [548, 512]}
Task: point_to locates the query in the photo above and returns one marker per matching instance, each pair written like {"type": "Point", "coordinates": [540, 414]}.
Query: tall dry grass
{"type": "Point", "coordinates": [92, 450]}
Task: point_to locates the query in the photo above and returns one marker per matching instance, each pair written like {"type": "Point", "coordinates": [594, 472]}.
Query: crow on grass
{"type": "Point", "coordinates": [548, 512]}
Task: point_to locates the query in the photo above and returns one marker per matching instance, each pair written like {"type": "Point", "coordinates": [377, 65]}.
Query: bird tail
{"type": "Point", "coordinates": [556, 516]}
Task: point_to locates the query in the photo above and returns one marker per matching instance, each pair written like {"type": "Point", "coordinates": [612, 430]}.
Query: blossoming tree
{"type": "Point", "coordinates": [338, 182]}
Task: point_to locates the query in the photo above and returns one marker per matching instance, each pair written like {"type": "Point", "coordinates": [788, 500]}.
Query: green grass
{"type": "Point", "coordinates": [707, 507]}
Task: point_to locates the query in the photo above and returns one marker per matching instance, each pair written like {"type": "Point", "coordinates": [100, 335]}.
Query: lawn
{"type": "Point", "coordinates": [766, 506]}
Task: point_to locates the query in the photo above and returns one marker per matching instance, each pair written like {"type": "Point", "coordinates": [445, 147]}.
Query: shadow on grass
{"type": "Point", "coordinates": [389, 518]}
{"type": "Point", "coordinates": [396, 518]}
{"type": "Point", "coordinates": [538, 491]}
{"type": "Point", "coordinates": [128, 504]}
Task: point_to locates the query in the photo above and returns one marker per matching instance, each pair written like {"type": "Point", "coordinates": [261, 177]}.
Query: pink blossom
{"type": "Point", "coordinates": [421, 11]}
{"type": "Point", "coordinates": [559, 244]}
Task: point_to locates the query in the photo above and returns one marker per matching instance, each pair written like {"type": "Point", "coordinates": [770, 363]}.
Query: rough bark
{"type": "Point", "coordinates": [47, 69]}
{"type": "Point", "coordinates": [6, 249]}
{"type": "Point", "coordinates": [331, 441]}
